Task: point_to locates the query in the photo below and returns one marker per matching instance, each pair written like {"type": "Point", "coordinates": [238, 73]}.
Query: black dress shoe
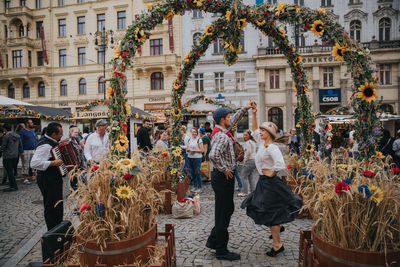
{"type": "Point", "coordinates": [10, 189]}
{"type": "Point", "coordinates": [229, 256]}
{"type": "Point", "coordinates": [282, 230]}
{"type": "Point", "coordinates": [210, 245]}
{"type": "Point", "coordinates": [273, 252]}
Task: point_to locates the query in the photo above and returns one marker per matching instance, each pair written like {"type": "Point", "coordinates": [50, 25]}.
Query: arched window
{"type": "Point", "coordinates": [26, 90]}
{"type": "Point", "coordinates": [82, 86]}
{"type": "Point", "coordinates": [196, 38]}
{"type": "Point", "coordinates": [63, 88]}
{"type": "Point", "coordinates": [355, 30]}
{"type": "Point", "coordinates": [384, 29]}
{"type": "Point", "coordinates": [11, 91]}
{"type": "Point", "coordinates": [41, 89]}
{"type": "Point", "coordinates": [275, 115]}
{"type": "Point", "coordinates": [101, 85]}
{"type": "Point", "coordinates": [21, 30]}
{"type": "Point", "coordinates": [387, 108]}
{"type": "Point", "coordinates": [157, 81]}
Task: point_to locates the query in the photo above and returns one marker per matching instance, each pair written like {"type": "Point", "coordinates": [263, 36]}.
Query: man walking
{"type": "Point", "coordinates": [98, 143]}
{"type": "Point", "coordinates": [223, 158]}
{"type": "Point", "coordinates": [11, 146]}
{"type": "Point", "coordinates": [143, 137]}
{"type": "Point", "coordinates": [28, 139]}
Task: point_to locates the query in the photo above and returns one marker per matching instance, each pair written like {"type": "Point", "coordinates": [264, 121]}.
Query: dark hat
{"type": "Point", "coordinates": [202, 130]}
{"type": "Point", "coordinates": [101, 122]}
{"type": "Point", "coordinates": [220, 113]}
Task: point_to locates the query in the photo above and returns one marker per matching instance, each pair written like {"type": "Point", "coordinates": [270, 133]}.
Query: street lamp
{"type": "Point", "coordinates": [101, 42]}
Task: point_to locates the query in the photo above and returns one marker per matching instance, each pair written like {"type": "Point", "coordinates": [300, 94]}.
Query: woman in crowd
{"type": "Point", "coordinates": [194, 150]}
{"type": "Point", "coordinates": [249, 166]}
{"type": "Point", "coordinates": [73, 137]}
{"type": "Point", "coordinates": [162, 141]}
{"type": "Point", "coordinates": [272, 203]}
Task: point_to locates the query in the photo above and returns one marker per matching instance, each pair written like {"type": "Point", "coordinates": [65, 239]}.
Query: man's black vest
{"type": "Point", "coordinates": [51, 171]}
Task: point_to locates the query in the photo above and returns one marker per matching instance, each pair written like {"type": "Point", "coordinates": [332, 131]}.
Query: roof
{"type": "Point", "coordinates": [5, 101]}
{"type": "Point", "coordinates": [49, 111]}
{"type": "Point", "coordinates": [141, 112]}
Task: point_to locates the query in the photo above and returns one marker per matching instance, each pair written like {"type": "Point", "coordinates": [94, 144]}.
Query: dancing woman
{"type": "Point", "coordinates": [272, 203]}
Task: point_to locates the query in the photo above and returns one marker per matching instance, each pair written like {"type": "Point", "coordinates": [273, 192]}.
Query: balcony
{"type": "Point", "coordinates": [25, 73]}
{"type": "Point", "coordinates": [381, 45]}
{"type": "Point", "coordinates": [156, 61]}
{"type": "Point", "coordinates": [18, 11]}
{"type": "Point", "coordinates": [20, 41]}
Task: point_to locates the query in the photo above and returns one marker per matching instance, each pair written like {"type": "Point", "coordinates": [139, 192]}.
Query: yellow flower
{"type": "Point", "coordinates": [177, 151]}
{"type": "Point", "coordinates": [98, 101]}
{"type": "Point", "coordinates": [198, 3]}
{"type": "Point", "coordinates": [37, 116]}
{"type": "Point", "coordinates": [176, 112]}
{"type": "Point", "coordinates": [110, 92]}
{"type": "Point", "coordinates": [125, 165]}
{"type": "Point", "coordinates": [338, 51]}
{"type": "Point", "coordinates": [137, 115]}
{"type": "Point", "coordinates": [149, 6]}
{"type": "Point", "coordinates": [127, 109]}
{"type": "Point", "coordinates": [241, 23]}
{"type": "Point", "coordinates": [321, 10]}
{"type": "Point", "coordinates": [377, 194]}
{"type": "Point", "coordinates": [21, 107]}
{"type": "Point", "coordinates": [298, 9]}
{"type": "Point", "coordinates": [327, 197]}
{"type": "Point", "coordinates": [11, 115]}
{"type": "Point", "coordinates": [29, 112]}
{"type": "Point", "coordinates": [317, 27]}
{"type": "Point", "coordinates": [294, 86]}
{"type": "Point", "coordinates": [282, 32]}
{"type": "Point", "coordinates": [260, 22]}
{"type": "Point", "coordinates": [117, 53]}
{"type": "Point", "coordinates": [297, 60]}
{"type": "Point", "coordinates": [228, 15]}
{"type": "Point", "coordinates": [280, 8]}
{"type": "Point", "coordinates": [379, 155]}
{"type": "Point", "coordinates": [187, 57]}
{"type": "Point", "coordinates": [343, 166]}
{"type": "Point", "coordinates": [309, 148]}
{"type": "Point", "coordinates": [209, 30]}
{"type": "Point", "coordinates": [177, 84]}
{"type": "Point", "coordinates": [121, 144]}
{"type": "Point", "coordinates": [124, 192]}
{"type": "Point", "coordinates": [169, 15]}
{"type": "Point", "coordinates": [206, 99]}
{"type": "Point", "coordinates": [174, 172]}
{"type": "Point", "coordinates": [367, 92]}
{"type": "Point", "coordinates": [139, 35]}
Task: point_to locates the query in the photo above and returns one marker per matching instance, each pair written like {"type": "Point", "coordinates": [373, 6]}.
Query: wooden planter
{"type": "Point", "coordinates": [165, 185]}
{"type": "Point", "coordinates": [168, 257]}
{"type": "Point", "coordinates": [330, 255]}
{"type": "Point", "coordinates": [182, 188]}
{"type": "Point", "coordinates": [306, 252]}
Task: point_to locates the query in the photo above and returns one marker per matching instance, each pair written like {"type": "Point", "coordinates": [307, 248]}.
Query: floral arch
{"type": "Point", "coordinates": [228, 27]}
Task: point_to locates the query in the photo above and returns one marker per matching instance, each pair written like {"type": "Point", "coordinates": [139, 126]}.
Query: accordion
{"type": "Point", "coordinates": [68, 154]}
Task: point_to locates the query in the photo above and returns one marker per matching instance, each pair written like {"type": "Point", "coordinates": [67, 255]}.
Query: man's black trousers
{"type": "Point", "coordinates": [52, 191]}
{"type": "Point", "coordinates": [224, 207]}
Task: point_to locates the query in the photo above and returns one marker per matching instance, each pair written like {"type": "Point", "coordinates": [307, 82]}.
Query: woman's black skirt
{"type": "Point", "coordinates": [272, 202]}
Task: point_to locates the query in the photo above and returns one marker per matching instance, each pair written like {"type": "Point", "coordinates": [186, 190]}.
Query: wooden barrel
{"type": "Point", "coordinates": [139, 248]}
{"type": "Point", "coordinates": [330, 255]}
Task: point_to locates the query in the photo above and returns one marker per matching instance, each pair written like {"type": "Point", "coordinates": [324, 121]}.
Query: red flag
{"type": "Point", "coordinates": [171, 35]}
{"type": "Point", "coordinates": [43, 45]}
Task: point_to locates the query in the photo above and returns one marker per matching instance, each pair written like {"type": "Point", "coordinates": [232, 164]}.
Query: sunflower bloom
{"type": "Point", "coordinates": [125, 165]}
{"type": "Point", "coordinates": [176, 112]}
{"type": "Point", "coordinates": [318, 28]}
{"type": "Point", "coordinates": [187, 57]}
{"type": "Point", "coordinates": [367, 92]}
{"type": "Point", "coordinates": [377, 194]}
{"type": "Point", "coordinates": [140, 36]}
{"type": "Point", "coordinates": [241, 24]}
{"type": "Point", "coordinates": [198, 3]}
{"type": "Point", "coordinates": [297, 60]}
{"type": "Point", "coordinates": [338, 51]}
{"type": "Point", "coordinates": [169, 15]}
{"type": "Point", "coordinates": [98, 101]}
{"type": "Point", "coordinates": [121, 144]}
{"type": "Point", "coordinates": [209, 30]}
{"type": "Point", "coordinates": [309, 148]}
{"type": "Point", "coordinates": [228, 15]}
{"type": "Point", "coordinates": [379, 155]}
{"type": "Point", "coordinates": [282, 32]}
{"type": "Point", "coordinates": [127, 109]}
{"type": "Point", "coordinates": [206, 99]}
{"type": "Point", "coordinates": [110, 92]}
{"type": "Point", "coordinates": [321, 10]}
{"type": "Point", "coordinates": [177, 151]}
{"type": "Point", "coordinates": [260, 22]}
{"type": "Point", "coordinates": [149, 6]}
{"type": "Point", "coordinates": [294, 86]}
{"type": "Point", "coordinates": [177, 84]}
{"type": "Point", "coordinates": [327, 197]}
{"type": "Point", "coordinates": [124, 192]}
{"type": "Point", "coordinates": [174, 172]}
{"type": "Point", "coordinates": [280, 9]}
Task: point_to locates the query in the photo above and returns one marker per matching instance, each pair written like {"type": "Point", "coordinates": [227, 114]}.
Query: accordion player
{"type": "Point", "coordinates": [68, 154]}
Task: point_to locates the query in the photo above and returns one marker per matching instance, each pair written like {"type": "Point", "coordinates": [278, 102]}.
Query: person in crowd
{"type": "Point", "coordinates": [184, 140]}
{"type": "Point", "coordinates": [294, 145]}
{"type": "Point", "coordinates": [97, 145]}
{"type": "Point", "coordinates": [207, 148]}
{"type": "Point", "coordinates": [194, 150]}
{"type": "Point", "coordinates": [386, 143]}
{"type": "Point", "coordinates": [4, 177]}
{"type": "Point", "coordinates": [272, 203]}
{"type": "Point", "coordinates": [222, 156]}
{"type": "Point", "coordinates": [396, 149]}
{"type": "Point", "coordinates": [74, 138]}
{"type": "Point", "coordinates": [316, 140]}
{"type": "Point", "coordinates": [352, 143]}
{"type": "Point", "coordinates": [49, 178]}
{"type": "Point", "coordinates": [143, 138]}
{"type": "Point", "coordinates": [85, 136]}
{"type": "Point", "coordinates": [10, 149]}
{"type": "Point", "coordinates": [162, 141]}
{"type": "Point", "coordinates": [207, 126]}
{"type": "Point", "coordinates": [150, 131]}
{"type": "Point", "coordinates": [28, 138]}
{"type": "Point", "coordinates": [18, 129]}
{"type": "Point", "coordinates": [249, 166]}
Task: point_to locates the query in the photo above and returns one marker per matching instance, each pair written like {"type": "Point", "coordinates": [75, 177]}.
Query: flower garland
{"type": "Point", "coordinates": [205, 99]}
{"type": "Point", "coordinates": [23, 111]}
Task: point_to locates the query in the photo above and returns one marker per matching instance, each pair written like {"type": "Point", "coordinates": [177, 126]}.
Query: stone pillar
{"type": "Point", "coordinates": [261, 102]}
{"type": "Point", "coordinates": [315, 97]}
{"type": "Point", "coordinates": [289, 106]}
{"type": "Point", "coordinates": [343, 89]}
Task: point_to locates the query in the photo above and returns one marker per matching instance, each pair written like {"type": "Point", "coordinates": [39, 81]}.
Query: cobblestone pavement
{"type": "Point", "coordinates": [246, 238]}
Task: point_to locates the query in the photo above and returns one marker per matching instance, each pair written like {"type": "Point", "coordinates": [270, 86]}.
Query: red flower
{"type": "Point", "coordinates": [115, 112]}
{"type": "Point", "coordinates": [124, 54]}
{"type": "Point", "coordinates": [317, 158]}
{"type": "Point", "coordinates": [128, 176]}
{"type": "Point", "coordinates": [368, 174]}
{"type": "Point", "coordinates": [84, 207]}
{"type": "Point", "coordinates": [395, 170]}
{"type": "Point", "coordinates": [165, 154]}
{"type": "Point", "coordinates": [199, 52]}
{"type": "Point", "coordinates": [95, 168]}
{"type": "Point", "coordinates": [289, 167]}
{"type": "Point", "coordinates": [340, 187]}
{"type": "Point", "coordinates": [363, 118]}
{"type": "Point", "coordinates": [123, 77]}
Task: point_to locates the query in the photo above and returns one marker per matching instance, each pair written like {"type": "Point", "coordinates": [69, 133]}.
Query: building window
{"type": "Point", "coordinates": [271, 2]}
{"type": "Point", "coordinates": [156, 47]}
{"type": "Point", "coordinates": [240, 83]}
{"type": "Point", "coordinates": [40, 61]}
{"type": "Point", "coordinates": [62, 56]}
{"type": "Point", "coordinates": [218, 48]}
{"type": "Point", "coordinates": [385, 74]}
{"type": "Point", "coordinates": [101, 22]}
{"type": "Point", "coordinates": [5, 31]}
{"type": "Point", "coordinates": [39, 24]}
{"type": "Point", "coordinates": [326, 3]}
{"type": "Point", "coordinates": [21, 30]}
{"type": "Point", "coordinates": [273, 79]}
{"type": "Point", "coordinates": [384, 29]}
{"type": "Point", "coordinates": [11, 91]}
{"type": "Point", "coordinates": [82, 86]}
{"type": "Point", "coordinates": [327, 73]}
{"type": "Point", "coordinates": [199, 82]}
{"type": "Point", "coordinates": [101, 86]}
{"type": "Point", "coordinates": [29, 59]}
{"type": "Point", "coordinates": [388, 109]}
{"type": "Point", "coordinates": [81, 55]}
{"type": "Point", "coordinates": [81, 25]}
{"type": "Point", "coordinates": [157, 81]}
{"type": "Point", "coordinates": [197, 14]}
{"type": "Point", "coordinates": [17, 58]}
{"type": "Point", "coordinates": [26, 90]}
{"type": "Point", "coordinates": [351, 2]}
{"type": "Point", "coordinates": [39, 4]}
{"type": "Point", "coordinates": [121, 20]}
{"type": "Point", "coordinates": [219, 81]}
{"type": "Point", "coordinates": [241, 42]}
{"type": "Point", "coordinates": [7, 61]}
{"type": "Point", "coordinates": [81, 1]}
{"type": "Point", "coordinates": [62, 27]}
{"type": "Point", "coordinates": [63, 88]}
{"type": "Point", "coordinates": [299, 2]}
{"type": "Point", "coordinates": [355, 30]}
{"type": "Point", "coordinates": [275, 115]}
{"type": "Point", "coordinates": [61, 2]}
{"type": "Point", "coordinates": [196, 38]}
{"type": "Point", "coordinates": [28, 30]}
{"type": "Point", "coordinates": [7, 3]}
{"type": "Point", "coordinates": [101, 55]}
{"type": "Point", "coordinates": [41, 89]}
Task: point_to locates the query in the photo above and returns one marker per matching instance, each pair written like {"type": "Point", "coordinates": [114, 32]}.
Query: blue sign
{"type": "Point", "coordinates": [330, 95]}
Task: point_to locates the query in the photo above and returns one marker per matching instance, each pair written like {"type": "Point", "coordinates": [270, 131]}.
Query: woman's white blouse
{"type": "Point", "coordinates": [270, 157]}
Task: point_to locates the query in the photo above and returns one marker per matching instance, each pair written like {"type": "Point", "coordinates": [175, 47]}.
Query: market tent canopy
{"type": "Point", "coordinates": [52, 112]}
{"type": "Point", "coordinates": [5, 101]}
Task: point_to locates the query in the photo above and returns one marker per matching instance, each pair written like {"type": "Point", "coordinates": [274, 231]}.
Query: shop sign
{"type": "Point", "coordinates": [156, 99]}
{"type": "Point", "coordinates": [317, 59]}
{"type": "Point", "coordinates": [330, 95]}
{"type": "Point", "coordinates": [91, 114]}
{"type": "Point", "coordinates": [158, 106]}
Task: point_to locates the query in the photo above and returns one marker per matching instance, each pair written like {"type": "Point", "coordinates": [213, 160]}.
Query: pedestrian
{"type": "Point", "coordinates": [294, 145]}
{"type": "Point", "coordinates": [97, 144]}
{"type": "Point", "coordinates": [143, 137]}
{"type": "Point", "coordinates": [183, 142]}
{"type": "Point", "coordinates": [18, 129]}
{"type": "Point", "coordinates": [162, 141]}
{"type": "Point", "coordinates": [4, 176]}
{"type": "Point", "coordinates": [49, 178]}
{"type": "Point", "coordinates": [249, 171]}
{"type": "Point", "coordinates": [194, 150]}
{"type": "Point", "coordinates": [353, 144]}
{"type": "Point", "coordinates": [386, 144]}
{"type": "Point", "coordinates": [29, 142]}
{"type": "Point", "coordinates": [272, 203]}
{"type": "Point", "coordinates": [222, 156]}
{"type": "Point", "coordinates": [150, 131]}
{"type": "Point", "coordinates": [78, 150]}
{"type": "Point", "coordinates": [207, 126]}
{"type": "Point", "coordinates": [396, 149]}
{"type": "Point", "coordinates": [206, 153]}
{"type": "Point", "coordinates": [10, 149]}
